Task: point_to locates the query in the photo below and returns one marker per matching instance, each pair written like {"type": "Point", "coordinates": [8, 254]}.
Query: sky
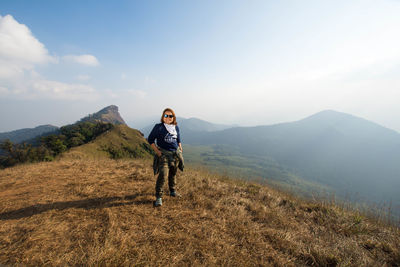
{"type": "Point", "coordinates": [231, 62]}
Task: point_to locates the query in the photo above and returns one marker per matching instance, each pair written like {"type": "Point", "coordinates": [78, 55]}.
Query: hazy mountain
{"type": "Point", "coordinates": [194, 124]}
{"type": "Point", "coordinates": [191, 126]}
{"type": "Point", "coordinates": [348, 153]}
{"type": "Point", "coordinates": [142, 122]}
{"type": "Point", "coordinates": [108, 114]}
{"type": "Point", "coordinates": [25, 134]}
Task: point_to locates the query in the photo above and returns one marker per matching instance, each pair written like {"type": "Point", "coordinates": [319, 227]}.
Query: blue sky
{"type": "Point", "coordinates": [239, 62]}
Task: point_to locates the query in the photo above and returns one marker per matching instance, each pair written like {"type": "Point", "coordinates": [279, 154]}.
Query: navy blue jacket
{"type": "Point", "coordinates": [163, 138]}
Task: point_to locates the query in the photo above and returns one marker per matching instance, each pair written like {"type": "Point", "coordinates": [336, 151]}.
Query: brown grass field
{"type": "Point", "coordinates": [89, 212]}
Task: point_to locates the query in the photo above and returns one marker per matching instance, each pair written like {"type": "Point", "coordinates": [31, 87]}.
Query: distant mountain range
{"type": "Point", "coordinates": [350, 154]}
{"type": "Point", "coordinates": [21, 135]}
{"type": "Point", "coordinates": [189, 127]}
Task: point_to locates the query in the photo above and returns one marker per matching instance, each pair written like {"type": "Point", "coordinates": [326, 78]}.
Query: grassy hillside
{"type": "Point", "coordinates": [119, 142]}
{"type": "Point", "coordinates": [100, 212]}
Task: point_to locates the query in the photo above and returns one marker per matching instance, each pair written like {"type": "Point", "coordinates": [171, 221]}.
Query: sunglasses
{"type": "Point", "coordinates": [168, 116]}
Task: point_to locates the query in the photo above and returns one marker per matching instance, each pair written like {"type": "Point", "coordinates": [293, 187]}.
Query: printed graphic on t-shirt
{"type": "Point", "coordinates": [169, 138]}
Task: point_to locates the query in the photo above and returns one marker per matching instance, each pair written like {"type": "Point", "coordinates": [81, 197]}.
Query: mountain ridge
{"type": "Point", "coordinates": [350, 154]}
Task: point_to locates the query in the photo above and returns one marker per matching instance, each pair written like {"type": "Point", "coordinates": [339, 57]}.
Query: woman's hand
{"type": "Point", "coordinates": [158, 152]}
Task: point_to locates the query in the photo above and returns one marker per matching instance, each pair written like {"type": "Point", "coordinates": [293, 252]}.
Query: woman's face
{"type": "Point", "coordinates": [168, 118]}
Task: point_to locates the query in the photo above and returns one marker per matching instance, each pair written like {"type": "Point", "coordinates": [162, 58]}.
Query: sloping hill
{"type": "Point", "coordinates": [100, 212]}
{"type": "Point", "coordinates": [119, 142]}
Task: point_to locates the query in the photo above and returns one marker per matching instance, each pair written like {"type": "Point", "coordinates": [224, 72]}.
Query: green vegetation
{"type": "Point", "coordinates": [83, 132]}
{"type": "Point", "coordinates": [19, 153]}
{"type": "Point", "coordinates": [120, 142]}
{"type": "Point", "coordinates": [225, 159]}
{"type": "Point", "coordinates": [127, 151]}
{"type": "Point", "coordinates": [51, 145]}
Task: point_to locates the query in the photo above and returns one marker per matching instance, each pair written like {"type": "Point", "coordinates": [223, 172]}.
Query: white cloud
{"type": "Point", "coordinates": [59, 90]}
{"type": "Point", "coordinates": [83, 77]}
{"type": "Point", "coordinates": [11, 70]}
{"type": "Point", "coordinates": [88, 60]}
{"type": "Point", "coordinates": [41, 88]}
{"type": "Point", "coordinates": [137, 93]}
{"type": "Point", "coordinates": [130, 94]}
{"type": "Point", "coordinates": [19, 49]}
{"type": "Point", "coordinates": [111, 94]}
{"type": "Point", "coordinates": [18, 43]}
{"type": "Point", "coordinates": [3, 91]}
{"type": "Point", "coordinates": [21, 53]}
{"type": "Point", "coordinates": [149, 80]}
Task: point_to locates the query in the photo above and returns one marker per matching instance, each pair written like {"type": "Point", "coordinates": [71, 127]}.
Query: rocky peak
{"type": "Point", "coordinates": [108, 114]}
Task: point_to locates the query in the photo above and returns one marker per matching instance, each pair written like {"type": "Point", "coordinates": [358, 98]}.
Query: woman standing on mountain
{"type": "Point", "coordinates": [168, 150]}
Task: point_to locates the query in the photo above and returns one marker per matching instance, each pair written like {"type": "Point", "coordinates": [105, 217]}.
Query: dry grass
{"type": "Point", "coordinates": [100, 212]}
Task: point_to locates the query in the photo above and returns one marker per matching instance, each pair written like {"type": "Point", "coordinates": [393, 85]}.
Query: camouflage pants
{"type": "Point", "coordinates": [168, 166]}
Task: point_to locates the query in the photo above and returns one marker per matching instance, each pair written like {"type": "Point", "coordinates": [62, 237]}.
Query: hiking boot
{"type": "Point", "coordinates": [158, 202]}
{"type": "Point", "coordinates": [175, 194]}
